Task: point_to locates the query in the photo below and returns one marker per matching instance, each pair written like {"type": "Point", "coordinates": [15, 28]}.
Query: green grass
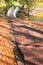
{"type": "Point", "coordinates": [34, 18]}
{"type": "Point", "coordinates": [39, 5]}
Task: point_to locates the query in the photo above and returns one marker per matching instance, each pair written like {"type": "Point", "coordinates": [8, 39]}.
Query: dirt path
{"type": "Point", "coordinates": [23, 38]}
{"type": "Point", "coordinates": [29, 40]}
{"type": "Point", "coordinates": [7, 55]}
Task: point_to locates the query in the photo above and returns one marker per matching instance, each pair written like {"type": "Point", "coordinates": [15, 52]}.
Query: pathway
{"type": "Point", "coordinates": [25, 38]}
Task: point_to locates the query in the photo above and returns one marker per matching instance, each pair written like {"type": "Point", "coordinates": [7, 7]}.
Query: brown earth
{"type": "Point", "coordinates": [7, 56]}
{"type": "Point", "coordinates": [29, 37]}
{"type": "Point", "coordinates": [25, 37]}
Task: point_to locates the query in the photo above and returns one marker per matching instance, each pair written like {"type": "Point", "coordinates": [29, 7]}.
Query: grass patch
{"type": "Point", "coordinates": [34, 18]}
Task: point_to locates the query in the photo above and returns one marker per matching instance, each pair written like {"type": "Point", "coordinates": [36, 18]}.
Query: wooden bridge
{"type": "Point", "coordinates": [21, 42]}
